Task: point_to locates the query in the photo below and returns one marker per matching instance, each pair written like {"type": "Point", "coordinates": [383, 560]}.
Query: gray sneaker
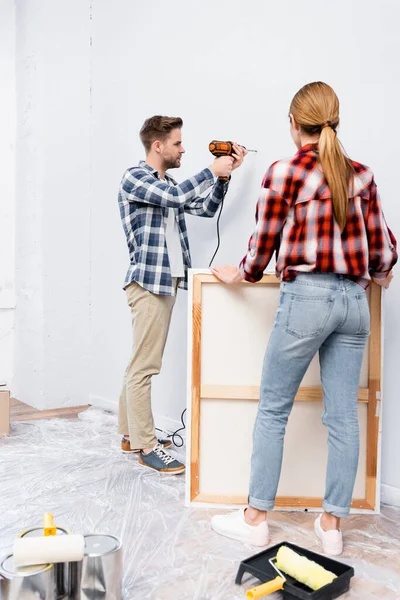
{"type": "Point", "coordinates": [159, 460]}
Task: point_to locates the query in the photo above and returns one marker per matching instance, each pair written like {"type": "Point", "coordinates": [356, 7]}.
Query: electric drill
{"type": "Point", "coordinates": [218, 149]}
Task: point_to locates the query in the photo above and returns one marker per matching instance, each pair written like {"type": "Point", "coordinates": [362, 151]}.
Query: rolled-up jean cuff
{"type": "Point", "coordinates": [336, 511]}
{"type": "Point", "coordinates": [261, 504]}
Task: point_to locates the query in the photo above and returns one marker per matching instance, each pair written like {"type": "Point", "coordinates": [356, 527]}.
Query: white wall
{"type": "Point", "coordinates": [53, 203]}
{"type": "Point", "coordinates": [230, 70]}
{"type": "Point", "coordinates": [7, 188]}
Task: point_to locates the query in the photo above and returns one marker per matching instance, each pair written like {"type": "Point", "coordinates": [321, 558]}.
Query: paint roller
{"type": "Point", "coordinates": [51, 548]}
{"type": "Point", "coordinates": [299, 567]}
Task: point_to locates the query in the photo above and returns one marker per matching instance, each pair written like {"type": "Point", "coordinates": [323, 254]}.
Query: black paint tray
{"type": "Point", "coordinates": [259, 566]}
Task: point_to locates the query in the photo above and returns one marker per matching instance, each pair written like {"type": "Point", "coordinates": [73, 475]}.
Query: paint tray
{"type": "Point", "coordinates": [259, 566]}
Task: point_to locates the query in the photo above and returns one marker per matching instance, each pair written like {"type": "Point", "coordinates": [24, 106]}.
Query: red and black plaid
{"type": "Point", "coordinates": [295, 219]}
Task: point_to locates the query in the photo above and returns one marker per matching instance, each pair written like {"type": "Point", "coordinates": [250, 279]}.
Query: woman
{"type": "Point", "coordinates": [321, 213]}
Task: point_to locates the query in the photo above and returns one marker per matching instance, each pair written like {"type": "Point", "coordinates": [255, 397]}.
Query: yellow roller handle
{"type": "Point", "coordinates": [266, 588]}
{"type": "Point", "coordinates": [49, 528]}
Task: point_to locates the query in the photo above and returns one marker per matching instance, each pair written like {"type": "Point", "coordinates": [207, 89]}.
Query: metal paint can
{"type": "Point", "coordinates": [101, 575]}
{"type": "Point", "coordinates": [29, 583]}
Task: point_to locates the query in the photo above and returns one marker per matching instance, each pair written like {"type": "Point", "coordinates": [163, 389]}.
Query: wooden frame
{"type": "Point", "coordinates": [198, 392]}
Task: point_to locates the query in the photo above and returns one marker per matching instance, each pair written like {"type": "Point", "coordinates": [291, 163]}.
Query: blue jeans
{"type": "Point", "coordinates": [317, 312]}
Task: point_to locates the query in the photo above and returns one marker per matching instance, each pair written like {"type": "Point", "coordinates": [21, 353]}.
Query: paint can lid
{"type": "Point", "coordinates": [99, 545]}
{"type": "Point", "coordinates": [9, 570]}
{"type": "Point", "coordinates": [38, 532]}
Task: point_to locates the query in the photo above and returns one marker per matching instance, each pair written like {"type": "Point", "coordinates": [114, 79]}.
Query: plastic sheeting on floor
{"type": "Point", "coordinates": [74, 469]}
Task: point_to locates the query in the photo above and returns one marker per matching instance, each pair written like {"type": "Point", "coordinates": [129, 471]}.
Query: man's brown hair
{"type": "Point", "coordinates": [158, 128]}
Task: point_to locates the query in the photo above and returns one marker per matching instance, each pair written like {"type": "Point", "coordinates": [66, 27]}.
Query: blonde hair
{"type": "Point", "coordinates": [315, 108]}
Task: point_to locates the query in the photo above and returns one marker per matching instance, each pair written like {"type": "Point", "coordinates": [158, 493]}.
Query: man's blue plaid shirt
{"type": "Point", "coordinates": [144, 201]}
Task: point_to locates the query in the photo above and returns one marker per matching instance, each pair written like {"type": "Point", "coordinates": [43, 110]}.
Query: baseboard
{"type": "Point", "coordinates": [7, 300]}
{"type": "Point", "coordinates": [390, 495]}
{"type": "Point", "coordinates": [164, 423]}
{"type": "Point", "coordinates": [168, 425]}
{"type": "Point", "coordinates": [103, 403]}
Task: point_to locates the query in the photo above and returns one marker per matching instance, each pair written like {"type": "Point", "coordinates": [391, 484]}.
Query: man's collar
{"type": "Point", "coordinates": [143, 164]}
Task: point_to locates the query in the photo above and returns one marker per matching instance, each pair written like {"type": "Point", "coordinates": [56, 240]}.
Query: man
{"type": "Point", "coordinates": [152, 207]}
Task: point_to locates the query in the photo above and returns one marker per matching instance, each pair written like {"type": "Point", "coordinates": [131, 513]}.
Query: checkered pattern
{"type": "Point", "coordinates": [144, 201]}
{"type": "Point", "coordinates": [295, 219]}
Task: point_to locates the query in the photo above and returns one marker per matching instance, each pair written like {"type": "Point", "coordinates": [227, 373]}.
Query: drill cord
{"type": "Point", "coordinates": [218, 233]}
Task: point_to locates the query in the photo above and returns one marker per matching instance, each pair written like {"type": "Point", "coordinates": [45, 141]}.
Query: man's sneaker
{"type": "Point", "coordinates": [161, 461]}
{"type": "Point", "coordinates": [332, 541]}
{"type": "Point", "coordinates": [126, 445]}
{"type": "Point", "coordinates": [234, 526]}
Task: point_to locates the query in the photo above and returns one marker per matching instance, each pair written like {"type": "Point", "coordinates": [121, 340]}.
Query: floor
{"type": "Point", "coordinates": [73, 468]}
{"type": "Point", "coordinates": [22, 412]}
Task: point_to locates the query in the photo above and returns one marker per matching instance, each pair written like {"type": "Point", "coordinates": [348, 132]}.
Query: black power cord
{"type": "Point", "coordinates": [174, 436]}
{"type": "Point", "coordinates": [218, 220]}
{"type": "Point", "coordinates": [176, 433]}
{"type": "Point", "coordinates": [218, 233]}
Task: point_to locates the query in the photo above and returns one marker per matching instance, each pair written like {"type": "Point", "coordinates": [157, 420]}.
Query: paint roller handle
{"type": "Point", "coordinates": [265, 589]}
{"type": "Point", "coordinates": [48, 521]}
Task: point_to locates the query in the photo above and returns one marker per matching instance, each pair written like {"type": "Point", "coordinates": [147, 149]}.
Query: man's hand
{"type": "Point", "coordinates": [238, 155]}
{"type": "Point", "coordinates": [384, 282]}
{"type": "Point", "coordinates": [222, 166]}
{"type": "Point", "coordinates": [227, 274]}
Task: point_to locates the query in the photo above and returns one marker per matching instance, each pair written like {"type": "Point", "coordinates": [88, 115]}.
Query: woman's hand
{"type": "Point", "coordinates": [227, 273]}
{"type": "Point", "coordinates": [384, 282]}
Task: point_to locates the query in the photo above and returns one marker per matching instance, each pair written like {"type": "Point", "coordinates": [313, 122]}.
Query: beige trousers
{"type": "Point", "coordinates": [151, 317]}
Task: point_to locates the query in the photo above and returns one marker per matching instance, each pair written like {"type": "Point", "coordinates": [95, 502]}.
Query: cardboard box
{"type": "Point", "coordinates": [4, 412]}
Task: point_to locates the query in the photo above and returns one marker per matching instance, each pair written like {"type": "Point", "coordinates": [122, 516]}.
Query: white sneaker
{"type": "Point", "coordinates": [234, 526]}
{"type": "Point", "coordinates": [332, 540]}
